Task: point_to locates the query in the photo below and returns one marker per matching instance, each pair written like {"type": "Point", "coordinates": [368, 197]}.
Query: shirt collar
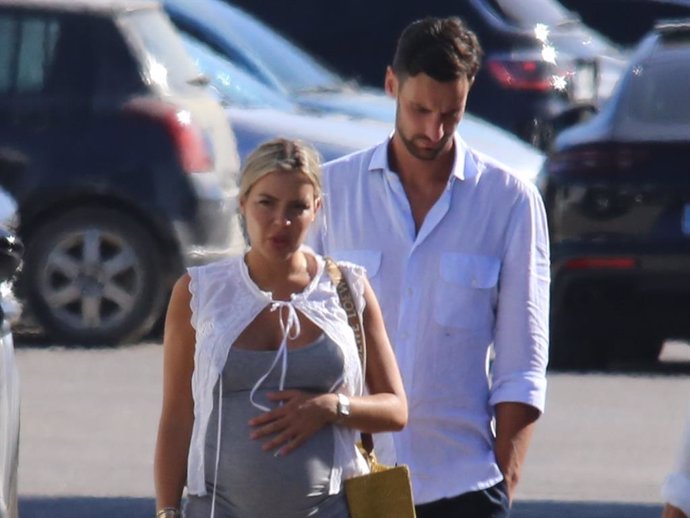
{"type": "Point", "coordinates": [464, 165]}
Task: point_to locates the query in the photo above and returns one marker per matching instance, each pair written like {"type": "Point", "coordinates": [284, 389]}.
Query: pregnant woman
{"type": "Point", "coordinates": [263, 392]}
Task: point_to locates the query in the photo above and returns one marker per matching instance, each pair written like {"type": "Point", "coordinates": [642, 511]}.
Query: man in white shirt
{"type": "Point", "coordinates": [456, 248]}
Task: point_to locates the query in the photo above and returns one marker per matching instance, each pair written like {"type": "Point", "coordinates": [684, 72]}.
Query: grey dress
{"type": "Point", "coordinates": [253, 483]}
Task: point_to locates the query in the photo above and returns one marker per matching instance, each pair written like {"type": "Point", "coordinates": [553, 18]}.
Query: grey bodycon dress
{"type": "Point", "coordinates": [253, 483]}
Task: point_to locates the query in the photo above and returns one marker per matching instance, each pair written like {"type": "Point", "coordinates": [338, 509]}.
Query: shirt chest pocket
{"type": "Point", "coordinates": [466, 292]}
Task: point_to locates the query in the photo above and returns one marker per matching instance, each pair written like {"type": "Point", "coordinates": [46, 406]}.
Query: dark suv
{"type": "Point", "coordinates": [543, 69]}
{"type": "Point", "coordinates": [617, 194]}
{"type": "Point", "coordinates": [639, 18]}
{"type": "Point", "coordinates": [130, 163]}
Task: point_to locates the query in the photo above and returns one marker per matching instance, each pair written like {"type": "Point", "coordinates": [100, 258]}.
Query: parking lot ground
{"type": "Point", "coordinates": [89, 418]}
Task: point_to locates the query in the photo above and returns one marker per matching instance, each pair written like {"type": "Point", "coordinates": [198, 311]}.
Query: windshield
{"type": "Point", "coordinates": [254, 46]}
{"type": "Point", "coordinates": [232, 84]}
{"type": "Point", "coordinates": [167, 63]}
{"type": "Point", "coordinates": [529, 13]}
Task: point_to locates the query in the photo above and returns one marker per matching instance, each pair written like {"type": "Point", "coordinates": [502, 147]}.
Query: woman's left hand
{"type": "Point", "coordinates": [299, 416]}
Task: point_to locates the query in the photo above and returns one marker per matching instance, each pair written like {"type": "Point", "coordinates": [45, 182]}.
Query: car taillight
{"type": "Point", "coordinates": [599, 263]}
{"type": "Point", "coordinates": [526, 74]}
{"type": "Point", "coordinates": [193, 149]}
{"type": "Point", "coordinates": [606, 159]}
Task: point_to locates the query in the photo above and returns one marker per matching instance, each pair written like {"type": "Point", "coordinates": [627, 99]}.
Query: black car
{"type": "Point", "coordinates": [617, 194]}
{"type": "Point", "coordinates": [543, 69]}
{"type": "Point", "coordinates": [626, 22]}
{"type": "Point", "coordinates": [131, 164]}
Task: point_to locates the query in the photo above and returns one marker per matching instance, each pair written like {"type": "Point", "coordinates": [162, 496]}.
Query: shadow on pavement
{"type": "Point", "coordinates": [584, 510]}
{"type": "Point", "coordinates": [88, 507]}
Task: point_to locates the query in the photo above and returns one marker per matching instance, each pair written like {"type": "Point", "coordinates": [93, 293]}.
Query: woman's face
{"type": "Point", "coordinates": [278, 210]}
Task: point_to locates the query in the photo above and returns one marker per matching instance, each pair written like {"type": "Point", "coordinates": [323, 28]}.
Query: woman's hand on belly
{"type": "Point", "coordinates": [299, 416]}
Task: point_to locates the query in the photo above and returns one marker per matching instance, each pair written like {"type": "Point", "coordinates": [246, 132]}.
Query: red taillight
{"type": "Point", "coordinates": [521, 74]}
{"type": "Point", "coordinates": [192, 149]}
{"type": "Point", "coordinates": [608, 263]}
{"type": "Point", "coordinates": [604, 159]}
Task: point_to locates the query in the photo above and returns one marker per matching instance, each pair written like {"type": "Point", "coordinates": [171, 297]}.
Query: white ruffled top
{"type": "Point", "coordinates": [225, 300]}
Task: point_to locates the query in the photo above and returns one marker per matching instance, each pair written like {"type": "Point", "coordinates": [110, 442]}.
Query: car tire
{"type": "Point", "coordinates": [92, 276]}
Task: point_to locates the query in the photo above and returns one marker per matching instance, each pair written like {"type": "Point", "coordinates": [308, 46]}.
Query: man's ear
{"type": "Point", "coordinates": [391, 83]}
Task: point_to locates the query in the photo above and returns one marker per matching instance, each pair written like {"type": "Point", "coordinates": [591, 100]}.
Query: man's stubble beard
{"type": "Point", "coordinates": [427, 155]}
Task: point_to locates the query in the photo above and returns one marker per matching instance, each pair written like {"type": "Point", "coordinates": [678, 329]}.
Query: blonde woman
{"type": "Point", "coordinates": [262, 389]}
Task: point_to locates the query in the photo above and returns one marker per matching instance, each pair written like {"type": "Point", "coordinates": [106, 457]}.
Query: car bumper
{"type": "Point", "coordinates": [622, 289]}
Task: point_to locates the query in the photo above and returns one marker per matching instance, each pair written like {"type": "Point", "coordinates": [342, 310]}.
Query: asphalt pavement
{"type": "Point", "coordinates": [89, 418]}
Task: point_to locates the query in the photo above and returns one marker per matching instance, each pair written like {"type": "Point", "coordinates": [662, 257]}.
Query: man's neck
{"type": "Point", "coordinates": [423, 180]}
{"type": "Point", "coordinates": [416, 173]}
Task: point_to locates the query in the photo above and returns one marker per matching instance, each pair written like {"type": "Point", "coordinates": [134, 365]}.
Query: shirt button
{"type": "Point", "coordinates": [409, 292]}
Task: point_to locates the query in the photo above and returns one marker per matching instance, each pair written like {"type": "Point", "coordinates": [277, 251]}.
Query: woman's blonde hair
{"type": "Point", "coordinates": [281, 154]}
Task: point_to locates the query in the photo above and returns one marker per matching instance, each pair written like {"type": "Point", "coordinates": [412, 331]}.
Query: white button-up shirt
{"type": "Point", "coordinates": [476, 274]}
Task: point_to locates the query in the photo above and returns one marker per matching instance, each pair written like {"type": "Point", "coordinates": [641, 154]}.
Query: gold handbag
{"type": "Point", "coordinates": [385, 492]}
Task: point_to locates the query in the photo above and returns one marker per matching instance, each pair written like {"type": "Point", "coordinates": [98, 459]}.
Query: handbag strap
{"type": "Point", "coordinates": [353, 318]}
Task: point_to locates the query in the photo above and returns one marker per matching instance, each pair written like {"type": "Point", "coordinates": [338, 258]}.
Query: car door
{"type": "Point", "coordinates": [43, 98]}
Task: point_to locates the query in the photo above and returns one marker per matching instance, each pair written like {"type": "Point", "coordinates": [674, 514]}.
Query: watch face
{"type": "Point", "coordinates": [343, 405]}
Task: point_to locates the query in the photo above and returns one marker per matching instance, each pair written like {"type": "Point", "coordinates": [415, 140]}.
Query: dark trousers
{"type": "Point", "coordinates": [489, 503]}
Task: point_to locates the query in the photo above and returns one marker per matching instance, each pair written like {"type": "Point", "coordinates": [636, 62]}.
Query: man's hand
{"type": "Point", "coordinates": [514, 427]}
{"type": "Point", "coordinates": [672, 512]}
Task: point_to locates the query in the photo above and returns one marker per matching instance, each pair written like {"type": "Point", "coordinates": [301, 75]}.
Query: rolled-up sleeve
{"type": "Point", "coordinates": [676, 487]}
{"type": "Point", "coordinates": [522, 315]}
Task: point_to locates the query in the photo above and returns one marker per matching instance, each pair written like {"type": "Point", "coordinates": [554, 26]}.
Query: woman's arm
{"type": "Point", "coordinates": [385, 408]}
{"type": "Point", "coordinates": [303, 414]}
{"type": "Point", "coordinates": [177, 414]}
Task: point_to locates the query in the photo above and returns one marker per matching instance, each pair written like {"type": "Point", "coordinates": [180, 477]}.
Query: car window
{"type": "Point", "coordinates": [233, 84]}
{"type": "Point", "coordinates": [166, 63]}
{"type": "Point", "coordinates": [294, 69]}
{"type": "Point", "coordinates": [37, 42]}
{"type": "Point", "coordinates": [528, 14]}
{"type": "Point", "coordinates": [27, 50]}
{"type": "Point", "coordinates": [658, 93]}
{"type": "Point", "coordinates": [8, 42]}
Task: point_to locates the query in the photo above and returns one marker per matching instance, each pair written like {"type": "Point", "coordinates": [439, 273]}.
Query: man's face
{"type": "Point", "coordinates": [428, 112]}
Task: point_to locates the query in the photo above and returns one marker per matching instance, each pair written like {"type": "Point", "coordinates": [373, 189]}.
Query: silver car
{"type": "Point", "coordinates": [10, 258]}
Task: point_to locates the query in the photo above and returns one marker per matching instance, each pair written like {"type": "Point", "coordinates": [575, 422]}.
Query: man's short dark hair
{"type": "Point", "coordinates": [445, 49]}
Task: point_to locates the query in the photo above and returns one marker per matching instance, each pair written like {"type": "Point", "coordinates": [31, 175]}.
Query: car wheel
{"type": "Point", "coordinates": [93, 277]}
